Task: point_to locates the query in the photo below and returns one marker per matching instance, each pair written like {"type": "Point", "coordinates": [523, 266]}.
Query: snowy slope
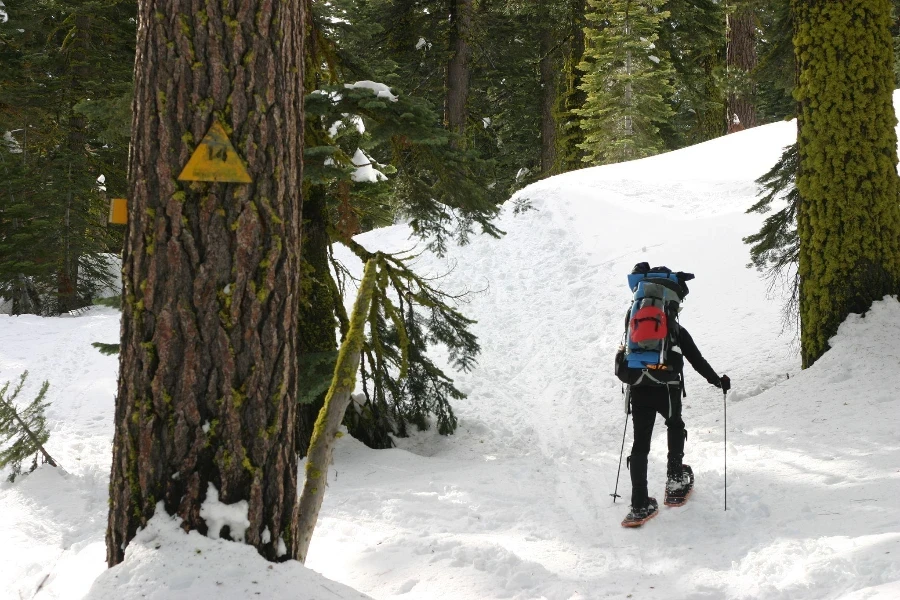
{"type": "Point", "coordinates": [516, 504]}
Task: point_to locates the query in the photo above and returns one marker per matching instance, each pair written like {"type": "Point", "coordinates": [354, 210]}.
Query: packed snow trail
{"type": "Point", "coordinates": [523, 489]}
{"type": "Point", "coordinates": [516, 504]}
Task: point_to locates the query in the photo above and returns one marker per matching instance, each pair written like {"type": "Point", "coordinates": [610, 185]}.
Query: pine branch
{"type": "Point", "coordinates": [408, 313]}
{"type": "Point", "coordinates": [30, 423]}
{"type": "Point", "coordinates": [775, 248]}
{"type": "Point", "coordinates": [107, 349]}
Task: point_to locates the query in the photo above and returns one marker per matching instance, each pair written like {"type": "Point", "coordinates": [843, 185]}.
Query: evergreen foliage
{"type": "Point", "coordinates": [65, 116]}
{"type": "Point", "coordinates": [110, 302]}
{"type": "Point", "coordinates": [434, 186]}
{"type": "Point", "coordinates": [401, 384]}
{"type": "Point", "coordinates": [408, 48]}
{"type": "Point", "coordinates": [693, 37]}
{"type": "Point", "coordinates": [627, 81]}
{"type": "Point", "coordinates": [424, 186]}
{"type": "Point", "coordinates": [373, 156]}
{"type": "Point", "coordinates": [23, 430]}
{"type": "Point", "coordinates": [776, 74]}
{"type": "Point", "coordinates": [895, 34]}
{"type": "Point", "coordinates": [775, 248]}
{"type": "Point", "coordinates": [569, 155]}
{"type": "Point", "coordinates": [849, 217]}
{"type": "Point", "coordinates": [107, 349]}
{"type": "Point", "coordinates": [504, 101]}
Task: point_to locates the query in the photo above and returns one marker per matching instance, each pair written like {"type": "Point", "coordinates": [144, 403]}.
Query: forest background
{"type": "Point", "coordinates": [428, 112]}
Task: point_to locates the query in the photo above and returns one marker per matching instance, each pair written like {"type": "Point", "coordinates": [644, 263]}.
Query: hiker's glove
{"type": "Point", "coordinates": [725, 383]}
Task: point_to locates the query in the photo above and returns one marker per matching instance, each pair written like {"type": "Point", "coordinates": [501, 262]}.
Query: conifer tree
{"type": "Point", "coordinates": [23, 429]}
{"type": "Point", "coordinates": [206, 401]}
{"type": "Point", "coordinates": [506, 101]}
{"type": "Point", "coordinates": [571, 97]}
{"type": "Point", "coordinates": [849, 217]}
{"type": "Point", "coordinates": [776, 74]}
{"type": "Point", "coordinates": [459, 68]}
{"type": "Point", "coordinates": [66, 69]}
{"type": "Point", "coordinates": [375, 154]}
{"type": "Point", "coordinates": [627, 80]}
{"type": "Point", "coordinates": [741, 60]}
{"type": "Point", "coordinates": [694, 39]}
{"type": "Point", "coordinates": [775, 248]}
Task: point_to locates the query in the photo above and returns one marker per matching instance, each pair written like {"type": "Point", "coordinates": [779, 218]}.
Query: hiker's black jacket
{"type": "Point", "coordinates": [690, 351]}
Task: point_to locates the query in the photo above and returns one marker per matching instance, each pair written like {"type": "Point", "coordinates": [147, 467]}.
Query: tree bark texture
{"type": "Point", "coordinates": [548, 68]}
{"type": "Point", "coordinates": [848, 221]}
{"type": "Point", "coordinates": [459, 67]}
{"type": "Point", "coordinates": [211, 274]}
{"type": "Point", "coordinates": [331, 416]}
{"type": "Point", "coordinates": [740, 61]}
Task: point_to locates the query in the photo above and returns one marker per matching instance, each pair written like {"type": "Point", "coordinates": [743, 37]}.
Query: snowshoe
{"type": "Point", "coordinates": [639, 516]}
{"type": "Point", "coordinates": [679, 487]}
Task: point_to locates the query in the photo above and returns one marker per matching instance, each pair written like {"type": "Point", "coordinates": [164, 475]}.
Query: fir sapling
{"type": "Point", "coordinates": [23, 430]}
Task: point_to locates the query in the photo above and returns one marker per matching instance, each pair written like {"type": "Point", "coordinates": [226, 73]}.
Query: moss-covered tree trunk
{"type": "Point", "coordinates": [330, 418]}
{"type": "Point", "coordinates": [849, 217]}
{"type": "Point", "coordinates": [317, 304]}
{"type": "Point", "coordinates": [211, 273]}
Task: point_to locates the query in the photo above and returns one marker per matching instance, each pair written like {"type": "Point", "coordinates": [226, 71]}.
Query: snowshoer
{"type": "Point", "coordinates": [654, 373]}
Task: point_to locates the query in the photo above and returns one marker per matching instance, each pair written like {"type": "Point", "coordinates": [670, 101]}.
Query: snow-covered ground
{"type": "Point", "coordinates": [517, 504]}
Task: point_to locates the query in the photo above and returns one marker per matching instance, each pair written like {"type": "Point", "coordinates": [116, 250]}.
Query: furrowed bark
{"type": "Point", "coordinates": [211, 274]}
{"type": "Point", "coordinates": [741, 60]}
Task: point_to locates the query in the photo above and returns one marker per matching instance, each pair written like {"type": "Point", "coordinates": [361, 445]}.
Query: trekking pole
{"type": "Point", "coordinates": [725, 404]}
{"type": "Point", "coordinates": [615, 493]}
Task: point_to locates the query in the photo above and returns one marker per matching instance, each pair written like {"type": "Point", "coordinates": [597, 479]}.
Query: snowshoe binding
{"type": "Point", "coordinates": [679, 486]}
{"type": "Point", "coordinates": [639, 516]}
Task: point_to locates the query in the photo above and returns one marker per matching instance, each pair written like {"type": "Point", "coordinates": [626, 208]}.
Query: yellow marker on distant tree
{"type": "Point", "coordinates": [215, 159]}
{"type": "Point", "coordinates": [118, 211]}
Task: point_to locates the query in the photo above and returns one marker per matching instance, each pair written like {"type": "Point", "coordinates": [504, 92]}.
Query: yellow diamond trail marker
{"type": "Point", "coordinates": [215, 159]}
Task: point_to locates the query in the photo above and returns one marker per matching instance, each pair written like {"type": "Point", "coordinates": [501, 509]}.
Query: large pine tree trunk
{"type": "Point", "coordinates": [211, 273]}
{"type": "Point", "coordinates": [459, 68]}
{"type": "Point", "coordinates": [741, 60]}
{"type": "Point", "coordinates": [849, 218]}
{"type": "Point", "coordinates": [548, 68]}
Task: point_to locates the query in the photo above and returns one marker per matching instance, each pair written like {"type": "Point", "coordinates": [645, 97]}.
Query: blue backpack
{"type": "Point", "coordinates": [649, 354]}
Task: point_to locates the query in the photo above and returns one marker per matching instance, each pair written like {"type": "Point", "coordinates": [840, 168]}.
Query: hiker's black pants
{"type": "Point", "coordinates": [645, 403]}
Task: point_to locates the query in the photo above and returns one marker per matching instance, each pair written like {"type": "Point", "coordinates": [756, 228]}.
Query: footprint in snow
{"type": "Point", "coordinates": [407, 587]}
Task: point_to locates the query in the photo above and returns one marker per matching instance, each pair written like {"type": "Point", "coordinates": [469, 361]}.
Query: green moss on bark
{"type": "Point", "coordinates": [849, 217]}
